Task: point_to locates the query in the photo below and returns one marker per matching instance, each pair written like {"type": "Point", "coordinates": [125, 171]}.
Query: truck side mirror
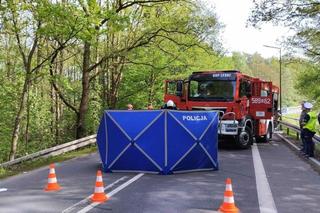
{"type": "Point", "coordinates": [179, 88]}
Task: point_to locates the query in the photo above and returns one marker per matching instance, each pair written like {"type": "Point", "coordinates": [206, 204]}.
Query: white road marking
{"type": "Point", "coordinates": [288, 141]}
{"type": "Point", "coordinates": [297, 148]}
{"type": "Point", "coordinates": [115, 191]}
{"type": "Point", "coordinates": [266, 201]}
{"type": "Point", "coordinates": [69, 209]}
{"type": "Point", "coordinates": [3, 189]}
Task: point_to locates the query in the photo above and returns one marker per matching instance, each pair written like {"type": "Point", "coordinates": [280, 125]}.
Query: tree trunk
{"type": "Point", "coordinates": [103, 82]}
{"type": "Point", "coordinates": [115, 80]}
{"type": "Point", "coordinates": [57, 119]}
{"type": "Point", "coordinates": [52, 97]}
{"type": "Point", "coordinates": [26, 136]}
{"type": "Point", "coordinates": [151, 83]}
{"type": "Point", "coordinates": [85, 92]}
{"type": "Point", "coordinates": [57, 103]}
{"type": "Point", "coordinates": [15, 134]}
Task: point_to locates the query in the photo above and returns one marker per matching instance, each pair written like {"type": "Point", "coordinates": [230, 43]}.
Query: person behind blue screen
{"type": "Point", "coordinates": [309, 129]}
{"type": "Point", "coordinates": [169, 105]}
{"type": "Point", "coordinates": [129, 107]}
{"type": "Point", "coordinates": [149, 107]}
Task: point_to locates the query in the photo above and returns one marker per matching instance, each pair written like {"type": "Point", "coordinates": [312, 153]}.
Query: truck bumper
{"type": "Point", "coordinates": [228, 127]}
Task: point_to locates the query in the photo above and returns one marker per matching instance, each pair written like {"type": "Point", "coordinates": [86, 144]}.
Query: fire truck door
{"type": "Point", "coordinates": [174, 91]}
{"type": "Point", "coordinates": [261, 100]}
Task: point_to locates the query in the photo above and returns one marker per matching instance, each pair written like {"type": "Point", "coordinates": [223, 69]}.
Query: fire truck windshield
{"type": "Point", "coordinates": [211, 90]}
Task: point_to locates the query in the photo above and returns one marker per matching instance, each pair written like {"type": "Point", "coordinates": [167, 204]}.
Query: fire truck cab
{"type": "Point", "coordinates": [247, 106]}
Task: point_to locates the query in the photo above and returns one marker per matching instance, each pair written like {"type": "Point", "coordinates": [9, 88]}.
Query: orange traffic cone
{"type": "Point", "coordinates": [52, 180]}
{"type": "Point", "coordinates": [228, 205]}
{"type": "Point", "coordinates": [99, 195]}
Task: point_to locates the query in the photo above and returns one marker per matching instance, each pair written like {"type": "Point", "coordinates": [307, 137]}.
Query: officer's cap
{"type": "Point", "coordinates": [170, 103]}
{"type": "Point", "coordinates": [307, 105]}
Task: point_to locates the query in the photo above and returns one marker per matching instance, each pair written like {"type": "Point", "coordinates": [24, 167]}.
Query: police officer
{"type": "Point", "coordinates": [169, 105]}
{"type": "Point", "coordinates": [309, 129]}
{"type": "Point", "coordinates": [302, 115]}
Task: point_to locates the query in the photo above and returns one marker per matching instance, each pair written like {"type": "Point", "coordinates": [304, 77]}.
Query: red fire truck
{"type": "Point", "coordinates": [247, 106]}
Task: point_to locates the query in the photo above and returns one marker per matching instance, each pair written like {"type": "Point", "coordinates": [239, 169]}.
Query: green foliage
{"type": "Point", "coordinates": [300, 15]}
{"type": "Point", "coordinates": [308, 80]}
{"type": "Point", "coordinates": [95, 110]}
{"type": "Point", "coordinates": [8, 100]}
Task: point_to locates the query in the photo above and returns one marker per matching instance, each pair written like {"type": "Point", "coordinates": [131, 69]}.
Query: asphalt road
{"type": "Point", "coordinates": [293, 183]}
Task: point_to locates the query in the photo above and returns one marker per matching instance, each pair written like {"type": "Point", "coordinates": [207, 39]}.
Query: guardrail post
{"type": "Point", "coordinates": [298, 135]}
{"type": "Point", "coordinates": [288, 131]}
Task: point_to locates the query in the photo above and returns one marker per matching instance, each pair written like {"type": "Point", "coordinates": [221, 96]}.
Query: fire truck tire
{"type": "Point", "coordinates": [245, 139]}
{"type": "Point", "coordinates": [268, 136]}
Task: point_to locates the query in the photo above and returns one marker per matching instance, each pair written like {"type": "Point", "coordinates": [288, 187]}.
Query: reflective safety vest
{"type": "Point", "coordinates": [311, 124]}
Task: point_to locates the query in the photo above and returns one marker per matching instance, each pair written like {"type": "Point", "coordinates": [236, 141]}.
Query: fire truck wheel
{"type": "Point", "coordinates": [268, 136]}
{"type": "Point", "coordinates": [245, 139]}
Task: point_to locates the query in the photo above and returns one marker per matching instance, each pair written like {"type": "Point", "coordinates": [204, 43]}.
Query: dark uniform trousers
{"type": "Point", "coordinates": [308, 135]}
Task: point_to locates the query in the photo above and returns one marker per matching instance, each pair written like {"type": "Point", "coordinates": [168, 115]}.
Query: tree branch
{"type": "Point", "coordinates": [61, 96]}
{"type": "Point", "coordinates": [16, 32]}
{"type": "Point", "coordinates": [60, 47]}
{"type": "Point", "coordinates": [84, 8]}
{"type": "Point", "coordinates": [127, 4]}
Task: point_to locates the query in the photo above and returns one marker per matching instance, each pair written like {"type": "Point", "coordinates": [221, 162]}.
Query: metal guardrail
{"type": "Point", "coordinates": [295, 128]}
{"type": "Point", "coordinates": [53, 151]}
{"type": "Point", "coordinates": [295, 119]}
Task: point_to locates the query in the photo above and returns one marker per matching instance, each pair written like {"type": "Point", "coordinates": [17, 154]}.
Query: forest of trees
{"type": "Point", "coordinates": [63, 62]}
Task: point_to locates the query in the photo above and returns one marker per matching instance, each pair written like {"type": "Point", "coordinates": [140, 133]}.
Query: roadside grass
{"type": "Point", "coordinates": [291, 118]}
{"type": "Point", "coordinates": [30, 165]}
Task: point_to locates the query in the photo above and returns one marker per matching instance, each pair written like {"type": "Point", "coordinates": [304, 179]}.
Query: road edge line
{"type": "Point", "coordinates": [297, 148]}
{"type": "Point", "coordinates": [3, 189]}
